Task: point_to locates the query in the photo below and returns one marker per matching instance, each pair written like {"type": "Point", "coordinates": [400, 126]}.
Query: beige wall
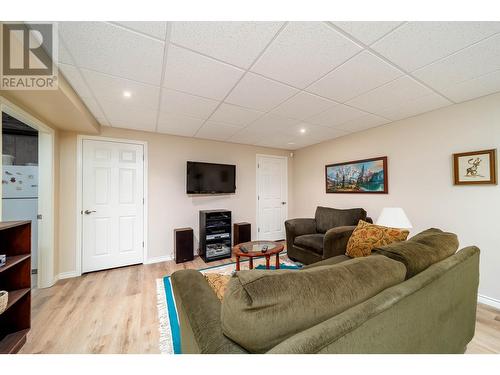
{"type": "Point", "coordinates": [67, 203]}
{"type": "Point", "coordinates": [169, 205]}
{"type": "Point", "coordinates": [420, 176]}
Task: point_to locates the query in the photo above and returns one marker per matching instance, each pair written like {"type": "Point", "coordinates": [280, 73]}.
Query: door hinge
{"type": "Point", "coordinates": [142, 200]}
{"type": "Point", "coordinates": [143, 244]}
{"type": "Point", "coordinates": [258, 197]}
{"type": "Point", "coordinates": [258, 230]}
{"type": "Point", "coordinates": [258, 165]}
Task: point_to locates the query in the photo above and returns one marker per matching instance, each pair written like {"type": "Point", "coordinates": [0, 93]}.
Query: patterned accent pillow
{"type": "Point", "coordinates": [368, 236]}
{"type": "Point", "coordinates": [218, 283]}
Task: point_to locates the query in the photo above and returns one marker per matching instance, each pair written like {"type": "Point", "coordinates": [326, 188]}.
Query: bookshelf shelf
{"type": "Point", "coordinates": [15, 278]}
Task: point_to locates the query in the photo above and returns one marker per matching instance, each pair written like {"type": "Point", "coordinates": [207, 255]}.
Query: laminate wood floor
{"type": "Point", "coordinates": [114, 311]}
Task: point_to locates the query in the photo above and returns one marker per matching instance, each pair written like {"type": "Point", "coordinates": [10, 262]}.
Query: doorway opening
{"type": "Point", "coordinates": [20, 179]}
{"type": "Point", "coordinates": [39, 158]}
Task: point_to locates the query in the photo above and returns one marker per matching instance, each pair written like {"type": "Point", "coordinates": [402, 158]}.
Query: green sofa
{"type": "Point", "coordinates": [390, 302]}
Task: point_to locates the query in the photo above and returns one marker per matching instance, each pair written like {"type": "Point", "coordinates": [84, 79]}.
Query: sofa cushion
{"type": "Point", "coordinates": [262, 308]}
{"type": "Point", "coordinates": [422, 250]}
{"type": "Point", "coordinates": [367, 236]}
{"type": "Point", "coordinates": [311, 241]}
{"type": "Point", "coordinates": [327, 218]}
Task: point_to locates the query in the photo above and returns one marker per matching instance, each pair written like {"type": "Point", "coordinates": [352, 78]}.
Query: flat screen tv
{"type": "Point", "coordinates": [208, 178]}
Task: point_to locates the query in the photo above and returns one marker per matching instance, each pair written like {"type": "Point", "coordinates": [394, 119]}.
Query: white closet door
{"type": "Point", "coordinates": [272, 202]}
{"type": "Point", "coordinates": [113, 204]}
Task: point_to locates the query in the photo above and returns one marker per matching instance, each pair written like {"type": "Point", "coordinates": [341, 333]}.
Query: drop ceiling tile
{"type": "Point", "coordinates": [199, 75]}
{"type": "Point", "coordinates": [416, 44]}
{"type": "Point", "coordinates": [126, 123]}
{"type": "Point", "coordinates": [93, 107]}
{"type": "Point", "coordinates": [102, 121]}
{"type": "Point", "coordinates": [247, 135]}
{"type": "Point", "coordinates": [368, 31]}
{"type": "Point", "coordinates": [235, 115]}
{"type": "Point", "coordinates": [75, 79]}
{"type": "Point", "coordinates": [109, 49]}
{"type": "Point", "coordinates": [277, 140]}
{"type": "Point", "coordinates": [238, 43]}
{"type": "Point", "coordinates": [271, 123]}
{"type": "Point", "coordinates": [360, 74]}
{"type": "Point", "coordinates": [414, 107]}
{"type": "Point", "coordinates": [472, 62]}
{"type": "Point", "coordinates": [474, 88]}
{"type": "Point", "coordinates": [336, 115]}
{"type": "Point", "coordinates": [156, 29]}
{"type": "Point", "coordinates": [302, 106]}
{"type": "Point", "coordinates": [186, 126]}
{"type": "Point", "coordinates": [303, 144]}
{"type": "Point", "coordinates": [313, 132]}
{"type": "Point", "coordinates": [125, 115]}
{"type": "Point", "coordinates": [63, 55]}
{"type": "Point", "coordinates": [391, 95]}
{"type": "Point", "coordinates": [186, 104]}
{"type": "Point", "coordinates": [111, 89]}
{"type": "Point", "coordinates": [293, 139]}
{"type": "Point", "coordinates": [259, 93]}
{"type": "Point", "coordinates": [362, 123]}
{"type": "Point", "coordinates": [217, 131]}
{"type": "Point", "coordinates": [303, 52]}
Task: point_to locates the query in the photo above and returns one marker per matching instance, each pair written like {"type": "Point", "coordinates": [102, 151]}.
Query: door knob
{"type": "Point", "coordinates": [87, 212]}
{"type": "Point", "coordinates": [283, 203]}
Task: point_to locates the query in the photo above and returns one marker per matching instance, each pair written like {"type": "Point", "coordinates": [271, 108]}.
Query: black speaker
{"type": "Point", "coordinates": [242, 232]}
{"type": "Point", "coordinates": [183, 245]}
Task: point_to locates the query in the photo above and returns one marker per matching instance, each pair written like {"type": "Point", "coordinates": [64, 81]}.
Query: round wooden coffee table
{"type": "Point", "coordinates": [254, 250]}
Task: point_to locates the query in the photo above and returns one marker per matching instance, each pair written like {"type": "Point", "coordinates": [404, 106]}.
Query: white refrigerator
{"type": "Point", "coordinates": [20, 200]}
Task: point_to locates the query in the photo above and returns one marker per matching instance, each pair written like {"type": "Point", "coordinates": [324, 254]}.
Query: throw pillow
{"type": "Point", "coordinates": [368, 236]}
{"type": "Point", "coordinates": [218, 283]}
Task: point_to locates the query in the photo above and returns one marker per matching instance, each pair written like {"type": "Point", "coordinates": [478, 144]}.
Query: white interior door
{"type": "Point", "coordinates": [112, 204]}
{"type": "Point", "coordinates": [272, 205]}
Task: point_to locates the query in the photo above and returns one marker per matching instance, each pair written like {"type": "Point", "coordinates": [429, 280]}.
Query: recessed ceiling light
{"type": "Point", "coordinates": [291, 143]}
{"type": "Point", "coordinates": [302, 130]}
{"type": "Point", "coordinates": [127, 94]}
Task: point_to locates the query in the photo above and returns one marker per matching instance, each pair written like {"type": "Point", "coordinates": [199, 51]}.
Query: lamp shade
{"type": "Point", "coordinates": [394, 217]}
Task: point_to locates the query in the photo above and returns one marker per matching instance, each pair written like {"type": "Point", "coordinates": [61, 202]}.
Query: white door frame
{"type": "Point", "coordinates": [257, 182]}
{"type": "Point", "coordinates": [79, 193]}
{"type": "Point", "coordinates": [46, 138]}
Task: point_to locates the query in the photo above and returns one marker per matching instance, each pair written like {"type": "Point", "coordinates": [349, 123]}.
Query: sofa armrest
{"type": "Point", "coordinates": [335, 241]}
{"type": "Point", "coordinates": [199, 315]}
{"type": "Point", "coordinates": [298, 227]}
{"type": "Point", "coordinates": [369, 220]}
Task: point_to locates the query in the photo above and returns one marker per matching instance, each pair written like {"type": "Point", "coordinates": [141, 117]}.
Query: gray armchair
{"type": "Point", "coordinates": [312, 240]}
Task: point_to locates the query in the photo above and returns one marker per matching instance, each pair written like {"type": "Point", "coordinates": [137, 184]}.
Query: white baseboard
{"type": "Point", "coordinates": [67, 275]}
{"type": "Point", "coordinates": [164, 258]}
{"type": "Point", "coordinates": [489, 301]}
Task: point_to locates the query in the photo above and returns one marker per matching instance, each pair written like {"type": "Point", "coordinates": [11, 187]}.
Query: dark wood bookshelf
{"type": "Point", "coordinates": [12, 261]}
{"type": "Point", "coordinates": [15, 278]}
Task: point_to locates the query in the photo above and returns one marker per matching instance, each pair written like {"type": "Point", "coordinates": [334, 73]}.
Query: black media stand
{"type": "Point", "coordinates": [215, 235]}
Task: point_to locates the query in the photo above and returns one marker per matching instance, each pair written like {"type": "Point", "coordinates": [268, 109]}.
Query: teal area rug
{"type": "Point", "coordinates": [170, 338]}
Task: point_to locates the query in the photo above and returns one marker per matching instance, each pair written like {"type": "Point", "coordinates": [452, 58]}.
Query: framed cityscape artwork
{"type": "Point", "coordinates": [360, 176]}
{"type": "Point", "coordinates": [475, 168]}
